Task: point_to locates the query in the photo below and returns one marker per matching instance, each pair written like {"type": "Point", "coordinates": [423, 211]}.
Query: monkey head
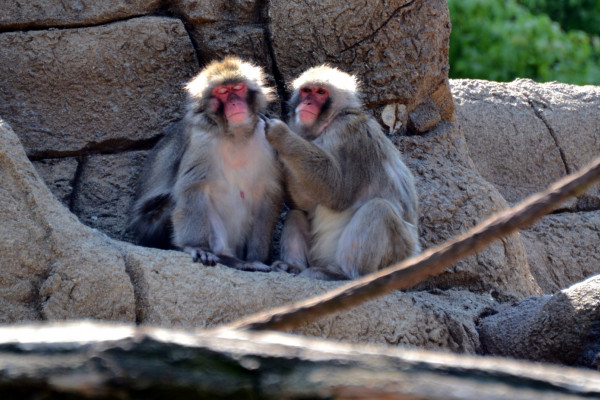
{"type": "Point", "coordinates": [227, 93]}
{"type": "Point", "coordinates": [319, 94]}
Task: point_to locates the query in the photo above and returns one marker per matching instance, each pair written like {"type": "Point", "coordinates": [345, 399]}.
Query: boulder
{"type": "Point", "coordinates": [532, 133]}
{"type": "Point", "coordinates": [572, 114]}
{"type": "Point", "coordinates": [398, 49]}
{"type": "Point", "coordinates": [198, 12]}
{"type": "Point", "coordinates": [562, 249]}
{"type": "Point", "coordinates": [105, 191]}
{"type": "Point", "coordinates": [56, 268]}
{"type": "Point", "coordinates": [59, 175]}
{"type": "Point", "coordinates": [49, 269]}
{"type": "Point", "coordinates": [562, 328]}
{"type": "Point", "coordinates": [453, 199]}
{"type": "Point", "coordinates": [103, 88]}
{"type": "Point", "coordinates": [173, 292]}
{"type": "Point", "coordinates": [27, 14]}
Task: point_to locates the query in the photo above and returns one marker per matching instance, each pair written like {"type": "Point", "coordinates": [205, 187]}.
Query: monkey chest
{"type": "Point", "coordinates": [244, 172]}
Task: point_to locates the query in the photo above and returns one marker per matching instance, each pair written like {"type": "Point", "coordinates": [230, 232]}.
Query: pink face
{"type": "Point", "coordinates": [233, 98]}
{"type": "Point", "coordinates": [312, 99]}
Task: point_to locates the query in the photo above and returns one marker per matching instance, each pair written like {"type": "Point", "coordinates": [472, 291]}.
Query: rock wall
{"type": "Point", "coordinates": [89, 99]}
{"type": "Point", "coordinates": [89, 88]}
{"type": "Point", "coordinates": [532, 135]}
{"type": "Point", "coordinates": [49, 271]}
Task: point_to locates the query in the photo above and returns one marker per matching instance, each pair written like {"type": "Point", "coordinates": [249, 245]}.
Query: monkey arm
{"type": "Point", "coordinates": [332, 178]}
{"type": "Point", "coordinates": [190, 217]}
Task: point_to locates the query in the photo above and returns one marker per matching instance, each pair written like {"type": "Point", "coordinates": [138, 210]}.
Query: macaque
{"type": "Point", "coordinates": [214, 189]}
{"type": "Point", "coordinates": [354, 203]}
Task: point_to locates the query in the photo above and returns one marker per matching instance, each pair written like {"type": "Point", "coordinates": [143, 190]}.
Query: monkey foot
{"type": "Point", "coordinates": [282, 266]}
{"type": "Point", "coordinates": [254, 266]}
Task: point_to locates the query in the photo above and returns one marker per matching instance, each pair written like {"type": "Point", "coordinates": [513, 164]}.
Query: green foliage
{"type": "Point", "coordinates": [570, 14]}
{"type": "Point", "coordinates": [501, 40]}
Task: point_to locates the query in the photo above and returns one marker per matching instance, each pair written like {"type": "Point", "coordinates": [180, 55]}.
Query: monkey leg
{"type": "Point", "coordinates": [295, 237]}
{"type": "Point", "coordinates": [197, 228]}
{"type": "Point", "coordinates": [375, 238]}
{"type": "Point", "coordinates": [258, 241]}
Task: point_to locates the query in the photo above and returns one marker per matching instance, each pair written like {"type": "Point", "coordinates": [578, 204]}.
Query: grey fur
{"type": "Point", "coordinates": [222, 181]}
{"type": "Point", "coordinates": [349, 187]}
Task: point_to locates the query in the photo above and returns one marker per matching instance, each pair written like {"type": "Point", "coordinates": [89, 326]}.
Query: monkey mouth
{"type": "Point", "coordinates": [237, 117]}
{"type": "Point", "coordinates": [307, 117]}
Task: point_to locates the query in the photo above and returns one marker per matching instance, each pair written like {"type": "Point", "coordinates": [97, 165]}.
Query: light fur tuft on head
{"type": "Point", "coordinates": [345, 85]}
{"type": "Point", "coordinates": [230, 69]}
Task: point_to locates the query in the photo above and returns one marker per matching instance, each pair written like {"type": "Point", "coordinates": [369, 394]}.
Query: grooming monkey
{"type": "Point", "coordinates": [354, 201]}
{"type": "Point", "coordinates": [214, 189]}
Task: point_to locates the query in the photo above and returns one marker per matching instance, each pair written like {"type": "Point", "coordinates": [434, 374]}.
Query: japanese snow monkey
{"type": "Point", "coordinates": [214, 189]}
{"type": "Point", "coordinates": [354, 201]}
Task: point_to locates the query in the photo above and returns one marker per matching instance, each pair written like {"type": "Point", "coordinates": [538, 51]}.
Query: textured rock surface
{"type": "Point", "coordinates": [49, 269]}
{"type": "Point", "coordinates": [523, 135]}
{"type": "Point", "coordinates": [20, 14]}
{"type": "Point", "coordinates": [108, 185]}
{"type": "Point", "coordinates": [171, 291]}
{"type": "Point", "coordinates": [378, 41]}
{"type": "Point", "coordinates": [563, 249]}
{"type": "Point", "coordinates": [198, 12]}
{"type": "Point", "coordinates": [100, 88]}
{"type": "Point", "coordinates": [89, 87]}
{"type": "Point", "coordinates": [454, 198]}
{"type": "Point", "coordinates": [59, 175]}
{"type": "Point", "coordinates": [221, 39]}
{"type": "Point", "coordinates": [562, 328]}
{"type": "Point", "coordinates": [53, 267]}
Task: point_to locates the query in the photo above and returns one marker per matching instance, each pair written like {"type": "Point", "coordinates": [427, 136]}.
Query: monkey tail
{"type": "Point", "coordinates": [151, 224]}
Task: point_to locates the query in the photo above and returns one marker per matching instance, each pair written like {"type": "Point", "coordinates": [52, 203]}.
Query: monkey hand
{"type": "Point", "coordinates": [203, 256]}
{"type": "Point", "coordinates": [276, 131]}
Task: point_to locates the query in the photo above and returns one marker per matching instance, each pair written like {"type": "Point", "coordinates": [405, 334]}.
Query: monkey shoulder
{"type": "Point", "coordinates": [356, 125]}
{"type": "Point", "coordinates": [359, 136]}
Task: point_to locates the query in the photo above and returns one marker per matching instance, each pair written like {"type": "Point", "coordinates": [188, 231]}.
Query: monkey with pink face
{"type": "Point", "coordinates": [354, 203]}
{"type": "Point", "coordinates": [214, 189]}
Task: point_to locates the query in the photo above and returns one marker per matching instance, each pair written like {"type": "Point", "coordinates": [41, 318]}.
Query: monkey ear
{"type": "Point", "coordinates": [195, 107]}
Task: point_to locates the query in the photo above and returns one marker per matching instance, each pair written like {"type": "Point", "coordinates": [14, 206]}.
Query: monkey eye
{"type": "Point", "coordinates": [321, 91]}
{"type": "Point", "coordinates": [306, 90]}
{"type": "Point", "coordinates": [221, 90]}
{"type": "Point", "coordinates": [238, 87]}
